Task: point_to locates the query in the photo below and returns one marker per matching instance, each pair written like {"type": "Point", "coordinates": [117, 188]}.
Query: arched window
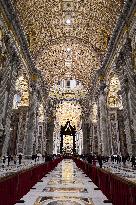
{"type": "Point", "coordinates": [68, 83]}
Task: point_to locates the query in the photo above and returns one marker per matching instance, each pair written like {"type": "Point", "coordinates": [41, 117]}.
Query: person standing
{"type": "Point", "coordinates": [99, 158]}
{"type": "Point", "coordinates": [94, 161]}
{"type": "Point", "coordinates": [133, 160]}
{"type": "Point", "coordinates": [14, 159]}
{"type": "Point", "coordinates": [9, 158]}
{"type": "Point", "coordinates": [20, 158]}
{"type": "Point", "coordinates": [35, 157]}
{"type": "Point", "coordinates": [3, 161]}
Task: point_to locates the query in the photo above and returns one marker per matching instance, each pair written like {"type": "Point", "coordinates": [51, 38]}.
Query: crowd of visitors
{"type": "Point", "coordinates": [17, 159]}
{"type": "Point", "coordinates": [10, 158]}
{"type": "Point", "coordinates": [92, 159]}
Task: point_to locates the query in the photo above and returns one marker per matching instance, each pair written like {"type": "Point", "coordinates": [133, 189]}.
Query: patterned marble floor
{"type": "Point", "coordinates": [66, 184]}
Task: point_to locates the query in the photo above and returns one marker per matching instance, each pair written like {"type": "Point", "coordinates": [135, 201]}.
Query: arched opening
{"type": "Point", "coordinates": [115, 117]}
{"type": "Point", "coordinates": [19, 116]}
{"type": "Point", "coordinates": [67, 123]}
{"type": "Point", "coordinates": [67, 139]}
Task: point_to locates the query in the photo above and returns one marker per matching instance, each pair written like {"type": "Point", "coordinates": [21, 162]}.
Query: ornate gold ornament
{"type": "Point", "coordinates": [102, 77]}
{"type": "Point", "coordinates": [34, 77]}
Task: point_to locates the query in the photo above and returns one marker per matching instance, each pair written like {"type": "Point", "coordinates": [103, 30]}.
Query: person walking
{"type": "Point", "coordinates": [9, 158]}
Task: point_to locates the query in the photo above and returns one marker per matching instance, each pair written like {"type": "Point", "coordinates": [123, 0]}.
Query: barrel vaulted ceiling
{"type": "Point", "coordinates": [68, 38]}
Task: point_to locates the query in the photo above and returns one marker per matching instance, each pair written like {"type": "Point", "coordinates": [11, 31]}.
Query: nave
{"type": "Point", "coordinates": [66, 184]}
{"type": "Point", "coordinates": [67, 89]}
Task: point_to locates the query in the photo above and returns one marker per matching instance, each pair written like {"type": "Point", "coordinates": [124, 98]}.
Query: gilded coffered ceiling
{"type": "Point", "coordinates": [68, 37]}
{"type": "Point", "coordinates": [68, 60]}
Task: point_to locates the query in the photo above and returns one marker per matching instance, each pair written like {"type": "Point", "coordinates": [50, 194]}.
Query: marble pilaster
{"type": "Point", "coordinates": [14, 63]}
{"type": "Point", "coordinates": [131, 75]}
{"type": "Point", "coordinates": [103, 122]}
{"type": "Point", "coordinates": [30, 144]}
{"type": "Point", "coordinates": [22, 129]}
{"type": "Point", "coordinates": [122, 74]}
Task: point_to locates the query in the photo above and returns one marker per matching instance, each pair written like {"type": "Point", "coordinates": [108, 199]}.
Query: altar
{"type": "Point", "coordinates": [67, 139]}
{"type": "Point", "coordinates": [68, 144]}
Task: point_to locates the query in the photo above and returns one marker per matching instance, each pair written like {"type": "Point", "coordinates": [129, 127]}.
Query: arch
{"type": "Point", "coordinates": [72, 39]}
{"type": "Point", "coordinates": [80, 62]}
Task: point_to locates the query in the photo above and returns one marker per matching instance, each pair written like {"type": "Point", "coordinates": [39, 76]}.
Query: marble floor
{"type": "Point", "coordinates": [66, 184]}
{"type": "Point", "coordinates": [124, 171]}
{"type": "Point", "coordinates": [9, 170]}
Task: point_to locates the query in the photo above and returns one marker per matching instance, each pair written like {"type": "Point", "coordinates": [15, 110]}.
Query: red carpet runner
{"type": "Point", "coordinates": [14, 187]}
{"type": "Point", "coordinates": [118, 190]}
